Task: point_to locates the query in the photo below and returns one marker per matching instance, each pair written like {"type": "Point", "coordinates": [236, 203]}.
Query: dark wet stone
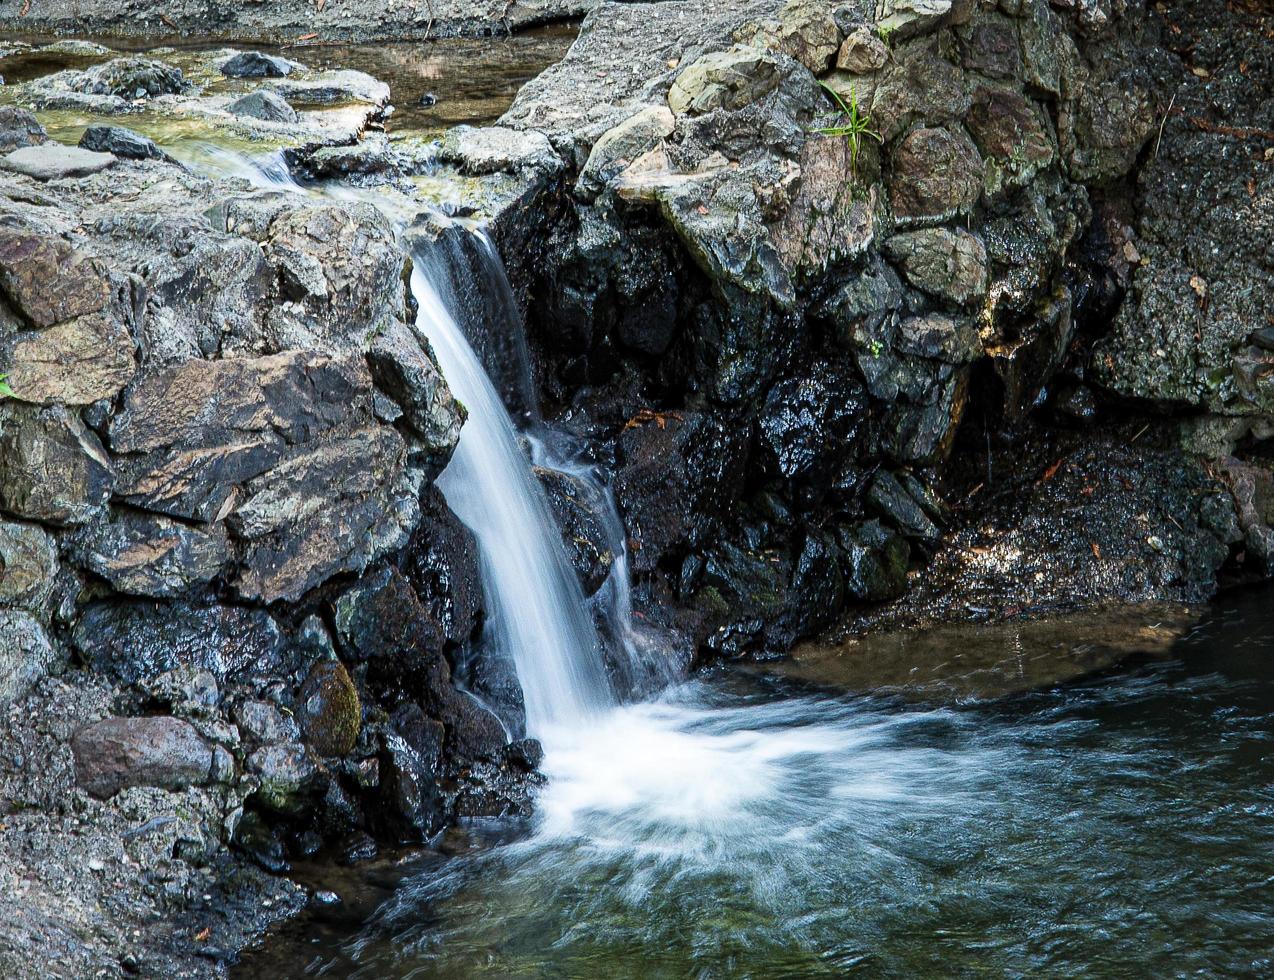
{"type": "Point", "coordinates": [810, 421]}
{"type": "Point", "coordinates": [131, 78]}
{"type": "Point", "coordinates": [890, 499]}
{"type": "Point", "coordinates": [256, 64]}
{"type": "Point", "coordinates": [142, 554]}
{"type": "Point", "coordinates": [157, 751]}
{"type": "Point", "coordinates": [130, 641]}
{"type": "Point", "coordinates": [441, 562]}
{"type": "Point", "coordinates": [410, 769]}
{"type": "Point", "coordinates": [264, 722]}
{"type": "Point", "coordinates": [875, 562]}
{"type": "Point", "coordinates": [123, 143]}
{"type": "Point", "coordinates": [290, 780]}
{"type": "Point", "coordinates": [583, 531]}
{"type": "Point", "coordinates": [329, 710]}
{"type": "Point", "coordinates": [261, 842]}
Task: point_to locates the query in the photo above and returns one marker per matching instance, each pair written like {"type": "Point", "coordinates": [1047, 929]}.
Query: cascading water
{"type": "Point", "coordinates": [535, 607]}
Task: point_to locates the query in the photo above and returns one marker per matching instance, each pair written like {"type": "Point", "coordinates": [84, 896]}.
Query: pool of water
{"type": "Point", "coordinates": [742, 826]}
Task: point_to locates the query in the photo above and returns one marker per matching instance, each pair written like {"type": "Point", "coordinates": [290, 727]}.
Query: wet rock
{"type": "Point", "coordinates": [948, 263]}
{"type": "Point", "coordinates": [1253, 489]}
{"type": "Point", "coordinates": [809, 422]}
{"type": "Point", "coordinates": [937, 174]}
{"type": "Point", "coordinates": [918, 85]}
{"type": "Point", "coordinates": [53, 469]}
{"type": "Point", "coordinates": [19, 128]}
{"type": "Point", "coordinates": [26, 654]}
{"type": "Point", "coordinates": [678, 475]}
{"type": "Point", "coordinates": [404, 369]}
{"type": "Point", "coordinates": [131, 78]}
{"type": "Point", "coordinates": [875, 562]}
{"type": "Point", "coordinates": [147, 555]}
{"type": "Point", "coordinates": [862, 52]}
{"type": "Point", "coordinates": [263, 722]}
{"type": "Point", "coordinates": [28, 564]}
{"type": "Point", "coordinates": [991, 48]}
{"type": "Point", "coordinates": [370, 155]}
{"type": "Point", "coordinates": [47, 280]}
{"type": "Point", "coordinates": [123, 143]}
{"type": "Point", "coordinates": [76, 362]}
{"type": "Point", "coordinates": [256, 64]}
{"type": "Point", "coordinates": [55, 161]}
{"type": "Point", "coordinates": [185, 692]}
{"type": "Point", "coordinates": [583, 531]}
{"type": "Point", "coordinates": [157, 751]}
{"type": "Point", "coordinates": [1010, 135]}
{"type": "Point", "coordinates": [889, 498]}
{"type": "Point", "coordinates": [441, 562]}
{"type": "Point", "coordinates": [267, 106]}
{"type": "Point", "coordinates": [290, 779]}
{"type": "Point", "coordinates": [329, 710]}
{"type": "Point", "coordinates": [411, 766]}
{"type": "Point", "coordinates": [130, 641]}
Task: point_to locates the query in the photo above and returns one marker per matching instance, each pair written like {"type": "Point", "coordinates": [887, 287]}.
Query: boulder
{"type": "Point", "coordinates": [875, 562]}
{"type": "Point", "coordinates": [619, 146]}
{"type": "Point", "coordinates": [133, 640]}
{"type": "Point", "coordinates": [116, 753]}
{"type": "Point", "coordinates": [441, 562]}
{"type": "Point", "coordinates": [256, 64]}
{"type": "Point", "coordinates": [495, 149]}
{"type": "Point", "coordinates": [47, 280]}
{"type": "Point", "coordinates": [263, 105]}
{"type": "Point", "coordinates": [948, 263]}
{"type": "Point", "coordinates": [862, 52]}
{"type": "Point", "coordinates": [809, 423]}
{"type": "Point", "coordinates": [329, 710]}
{"type": "Point", "coordinates": [76, 362]}
{"type": "Point", "coordinates": [28, 564]}
{"type": "Point", "coordinates": [19, 128]}
{"type": "Point", "coordinates": [290, 780]}
{"type": "Point", "coordinates": [53, 469]}
{"type": "Point", "coordinates": [148, 555]}
{"type": "Point", "coordinates": [131, 78]}
{"type": "Point", "coordinates": [804, 30]}
{"type": "Point", "coordinates": [937, 174]}
{"type": "Point", "coordinates": [26, 654]}
{"type": "Point", "coordinates": [410, 797]}
{"type": "Point", "coordinates": [340, 87]}
{"type": "Point", "coordinates": [123, 143]}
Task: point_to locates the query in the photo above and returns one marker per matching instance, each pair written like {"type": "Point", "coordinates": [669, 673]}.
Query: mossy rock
{"type": "Point", "coordinates": [329, 709]}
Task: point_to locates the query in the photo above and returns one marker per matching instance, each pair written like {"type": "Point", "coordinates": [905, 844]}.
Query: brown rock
{"type": "Point", "coordinates": [47, 280]}
{"type": "Point", "coordinates": [76, 362]}
{"type": "Point", "coordinates": [937, 174]}
{"type": "Point", "coordinates": [116, 753]}
{"type": "Point", "coordinates": [329, 710]}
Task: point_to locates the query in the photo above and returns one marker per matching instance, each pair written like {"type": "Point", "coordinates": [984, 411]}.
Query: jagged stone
{"type": "Point", "coordinates": [147, 555]}
{"type": "Point", "coordinates": [28, 564]}
{"type": "Point", "coordinates": [53, 469]}
{"type": "Point", "coordinates": [122, 142]}
{"type": "Point", "coordinates": [19, 128]}
{"type": "Point", "coordinates": [948, 263]}
{"type": "Point", "coordinates": [131, 78]}
{"type": "Point", "coordinates": [76, 362]}
{"type": "Point", "coordinates": [47, 280]}
{"type": "Point", "coordinates": [937, 174]}
{"type": "Point", "coordinates": [256, 64]}
{"type": "Point", "coordinates": [404, 368]}
{"type": "Point", "coordinates": [26, 654]}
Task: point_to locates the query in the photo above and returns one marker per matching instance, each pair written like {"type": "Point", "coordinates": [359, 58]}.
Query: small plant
{"type": "Point", "coordinates": [886, 32]}
{"type": "Point", "coordinates": [857, 126]}
{"type": "Point", "coordinates": [5, 390]}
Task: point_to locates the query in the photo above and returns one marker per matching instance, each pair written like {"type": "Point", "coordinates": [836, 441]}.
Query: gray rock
{"type": "Point", "coordinates": [333, 88]}
{"type": "Point", "coordinates": [19, 128]}
{"type": "Point", "coordinates": [583, 527]}
{"type": "Point", "coordinates": [28, 564]}
{"type": "Point", "coordinates": [143, 554]}
{"type": "Point", "coordinates": [123, 143]}
{"type": "Point", "coordinates": [256, 64]}
{"type": "Point", "coordinates": [290, 780]}
{"type": "Point", "coordinates": [116, 753]}
{"type": "Point", "coordinates": [264, 722]}
{"type": "Point", "coordinates": [406, 371]}
{"type": "Point", "coordinates": [55, 161]}
{"type": "Point", "coordinates": [131, 78]}
{"type": "Point", "coordinates": [267, 106]}
{"type": "Point", "coordinates": [621, 145]}
{"type": "Point", "coordinates": [493, 149]}
{"type": "Point", "coordinates": [948, 263]}
{"type": "Point", "coordinates": [875, 562]}
{"type": "Point", "coordinates": [53, 469]}
{"type": "Point", "coordinates": [724, 80]}
{"type": "Point", "coordinates": [26, 654]}
{"type": "Point", "coordinates": [862, 52]}
{"type": "Point", "coordinates": [890, 499]}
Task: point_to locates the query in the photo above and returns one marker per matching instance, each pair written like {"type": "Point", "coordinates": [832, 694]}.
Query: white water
{"type": "Point", "coordinates": [535, 608]}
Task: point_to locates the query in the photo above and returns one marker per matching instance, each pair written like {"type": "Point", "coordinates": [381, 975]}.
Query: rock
{"type": "Point", "coordinates": [937, 174]}
{"type": "Point", "coordinates": [810, 422]}
{"type": "Point", "coordinates": [862, 52]}
{"type": "Point", "coordinates": [186, 692]}
{"type": "Point", "coordinates": [53, 469]}
{"type": "Point", "coordinates": [256, 64]}
{"type": "Point", "coordinates": [329, 710]}
{"type": "Point", "coordinates": [875, 562]}
{"type": "Point", "coordinates": [116, 753]}
{"type": "Point", "coordinates": [991, 48]}
{"type": "Point", "coordinates": [143, 554]}
{"type": "Point", "coordinates": [727, 80]}
{"type": "Point", "coordinates": [333, 88]}
{"type": "Point", "coordinates": [890, 499]}
{"type": "Point", "coordinates": [123, 143]}
{"type": "Point", "coordinates": [919, 85]}
{"type": "Point", "coordinates": [907, 18]}
{"type": "Point", "coordinates": [576, 508]}
{"type": "Point", "coordinates": [26, 654]}
{"type": "Point", "coordinates": [264, 105]}
{"type": "Point", "coordinates": [49, 281]}
{"type": "Point", "coordinates": [1253, 489]}
{"type": "Point", "coordinates": [372, 154]}
{"type": "Point", "coordinates": [76, 362]}
{"type": "Point", "coordinates": [131, 78]}
{"type": "Point", "coordinates": [678, 476]}
{"type": "Point", "coordinates": [55, 161]}
{"type": "Point", "coordinates": [495, 149]}
{"type": "Point", "coordinates": [804, 30]}
{"type": "Point", "coordinates": [28, 564]}
{"type": "Point", "coordinates": [1008, 131]}
{"type": "Point", "coordinates": [411, 764]}
{"type": "Point", "coordinates": [950, 264]}
{"type": "Point", "coordinates": [263, 722]}
{"type": "Point", "coordinates": [441, 562]}
{"type": "Point", "coordinates": [619, 146]}
{"type": "Point", "coordinates": [133, 640]}
{"type": "Point", "coordinates": [403, 367]}
{"type": "Point", "coordinates": [290, 779]}
{"type": "Point", "coordinates": [19, 128]}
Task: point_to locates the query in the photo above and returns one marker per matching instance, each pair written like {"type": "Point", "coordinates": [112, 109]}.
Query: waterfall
{"type": "Point", "coordinates": [536, 612]}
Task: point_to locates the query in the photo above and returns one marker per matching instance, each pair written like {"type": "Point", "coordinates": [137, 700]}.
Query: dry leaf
{"type": "Point", "coordinates": [1096, 550]}
{"type": "Point", "coordinates": [1051, 472]}
{"type": "Point", "coordinates": [1199, 286]}
{"type": "Point", "coordinates": [308, 37]}
{"type": "Point", "coordinates": [203, 936]}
